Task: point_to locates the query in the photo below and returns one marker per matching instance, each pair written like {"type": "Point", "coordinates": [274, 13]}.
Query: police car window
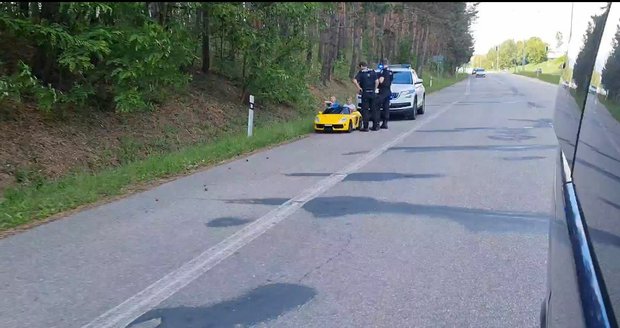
{"type": "Point", "coordinates": [402, 78]}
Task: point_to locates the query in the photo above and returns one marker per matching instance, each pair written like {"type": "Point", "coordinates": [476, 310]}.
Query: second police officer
{"type": "Point", "coordinates": [367, 82]}
{"type": "Point", "coordinates": [386, 76]}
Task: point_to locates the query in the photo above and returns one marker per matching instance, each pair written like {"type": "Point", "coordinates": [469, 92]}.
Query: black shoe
{"type": "Point", "coordinates": [364, 130]}
{"type": "Point", "coordinates": [374, 128]}
{"type": "Point", "coordinates": [384, 126]}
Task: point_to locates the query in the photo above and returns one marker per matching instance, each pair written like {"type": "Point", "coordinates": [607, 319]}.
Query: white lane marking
{"type": "Point", "coordinates": [123, 314]}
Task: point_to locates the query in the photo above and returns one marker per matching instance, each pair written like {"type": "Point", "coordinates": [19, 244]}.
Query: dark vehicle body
{"type": "Point", "coordinates": [584, 241]}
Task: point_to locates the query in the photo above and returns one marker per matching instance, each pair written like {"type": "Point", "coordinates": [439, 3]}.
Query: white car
{"type": "Point", "coordinates": [481, 73]}
{"type": "Point", "coordinates": [408, 93]}
{"type": "Point", "coordinates": [592, 89]}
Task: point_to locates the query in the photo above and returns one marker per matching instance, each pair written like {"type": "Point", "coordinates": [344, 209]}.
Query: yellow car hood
{"type": "Point", "coordinates": [333, 118]}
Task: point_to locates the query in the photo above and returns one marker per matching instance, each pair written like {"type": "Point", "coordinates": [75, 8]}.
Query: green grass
{"type": "Point", "coordinates": [26, 204]}
{"type": "Point", "coordinates": [579, 97]}
{"type": "Point", "coordinates": [440, 82]}
{"type": "Point", "coordinates": [550, 78]}
{"type": "Point", "coordinates": [612, 106]}
{"type": "Point", "coordinates": [549, 67]}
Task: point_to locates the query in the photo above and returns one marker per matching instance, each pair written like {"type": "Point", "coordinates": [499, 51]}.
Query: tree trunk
{"type": "Point", "coordinates": [24, 8]}
{"type": "Point", "coordinates": [161, 13]}
{"type": "Point", "coordinates": [35, 12]}
{"type": "Point", "coordinates": [424, 49]}
{"type": "Point", "coordinates": [244, 83]}
{"type": "Point", "coordinates": [44, 58]}
{"type": "Point", "coordinates": [342, 33]}
{"type": "Point", "coordinates": [373, 36]}
{"type": "Point", "coordinates": [322, 43]}
{"type": "Point", "coordinates": [329, 51]}
{"type": "Point", "coordinates": [206, 54]}
{"type": "Point", "coordinates": [357, 42]}
{"type": "Point", "coordinates": [310, 47]}
{"type": "Point", "coordinates": [412, 28]}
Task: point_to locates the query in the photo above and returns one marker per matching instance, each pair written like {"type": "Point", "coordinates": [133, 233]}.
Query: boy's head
{"type": "Point", "coordinates": [332, 99]}
{"type": "Point", "coordinates": [349, 100]}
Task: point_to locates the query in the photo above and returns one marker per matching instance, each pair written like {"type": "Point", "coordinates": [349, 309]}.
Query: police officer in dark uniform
{"type": "Point", "coordinates": [386, 76]}
{"type": "Point", "coordinates": [367, 82]}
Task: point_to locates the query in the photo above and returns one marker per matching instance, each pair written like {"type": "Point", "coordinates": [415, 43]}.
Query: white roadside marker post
{"type": "Point", "coordinates": [251, 116]}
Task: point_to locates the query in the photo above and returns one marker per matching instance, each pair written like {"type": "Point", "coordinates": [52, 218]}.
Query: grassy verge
{"type": "Point", "coordinates": [580, 98]}
{"type": "Point", "coordinates": [612, 106]}
{"type": "Point", "coordinates": [552, 67]}
{"type": "Point", "coordinates": [440, 82]}
{"type": "Point", "coordinates": [549, 78]}
{"type": "Point", "coordinates": [26, 204]}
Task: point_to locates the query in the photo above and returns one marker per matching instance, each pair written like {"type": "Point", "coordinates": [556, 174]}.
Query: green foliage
{"type": "Point", "coordinates": [551, 78]}
{"type": "Point", "coordinates": [507, 54]}
{"type": "Point", "coordinates": [128, 63]}
{"type": "Point", "coordinates": [24, 84]}
{"type": "Point", "coordinates": [511, 53]}
{"type": "Point", "coordinates": [584, 64]}
{"type": "Point", "coordinates": [536, 50]}
{"type": "Point", "coordinates": [611, 72]}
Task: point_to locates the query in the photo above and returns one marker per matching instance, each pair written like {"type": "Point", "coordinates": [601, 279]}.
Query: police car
{"type": "Point", "coordinates": [408, 92]}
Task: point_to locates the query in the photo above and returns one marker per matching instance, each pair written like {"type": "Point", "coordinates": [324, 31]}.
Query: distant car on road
{"type": "Point", "coordinates": [473, 71]}
{"type": "Point", "coordinates": [408, 93]}
{"type": "Point", "coordinates": [481, 73]}
{"type": "Point", "coordinates": [592, 89]}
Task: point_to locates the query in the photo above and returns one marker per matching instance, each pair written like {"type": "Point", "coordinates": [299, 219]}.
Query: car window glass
{"type": "Point", "coordinates": [577, 62]}
{"type": "Point", "coordinates": [402, 77]}
{"type": "Point", "coordinates": [596, 171]}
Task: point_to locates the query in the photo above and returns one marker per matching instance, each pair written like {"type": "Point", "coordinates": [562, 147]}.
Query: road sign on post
{"type": "Point", "coordinates": [251, 116]}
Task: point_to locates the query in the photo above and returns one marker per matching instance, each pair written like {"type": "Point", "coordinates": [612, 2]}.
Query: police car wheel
{"type": "Point", "coordinates": [422, 108]}
{"type": "Point", "coordinates": [412, 113]}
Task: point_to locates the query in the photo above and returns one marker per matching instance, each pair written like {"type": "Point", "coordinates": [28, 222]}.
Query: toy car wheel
{"type": "Point", "coordinates": [350, 127]}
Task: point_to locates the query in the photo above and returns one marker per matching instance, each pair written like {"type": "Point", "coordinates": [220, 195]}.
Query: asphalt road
{"type": "Point", "coordinates": [438, 222]}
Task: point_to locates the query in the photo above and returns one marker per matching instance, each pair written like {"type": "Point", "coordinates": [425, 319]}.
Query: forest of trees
{"type": "Point", "coordinates": [610, 76]}
{"type": "Point", "coordinates": [510, 53]}
{"type": "Point", "coordinates": [127, 56]}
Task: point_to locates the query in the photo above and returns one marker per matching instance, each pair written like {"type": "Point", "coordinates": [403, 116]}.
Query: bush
{"type": "Point", "coordinates": [128, 63]}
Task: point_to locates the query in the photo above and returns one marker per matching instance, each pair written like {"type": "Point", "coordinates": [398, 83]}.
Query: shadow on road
{"type": "Point", "coordinates": [474, 148]}
{"type": "Point", "coordinates": [356, 153]}
{"type": "Point", "coordinates": [523, 158]}
{"type": "Point", "coordinates": [227, 222]}
{"type": "Point", "coordinates": [261, 304]}
{"type": "Point", "coordinates": [477, 220]}
{"type": "Point", "coordinates": [457, 130]}
{"type": "Point", "coordinates": [257, 201]}
{"type": "Point", "coordinates": [539, 123]}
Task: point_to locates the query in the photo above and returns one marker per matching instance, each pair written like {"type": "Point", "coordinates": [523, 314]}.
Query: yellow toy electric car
{"type": "Point", "coordinates": [338, 118]}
